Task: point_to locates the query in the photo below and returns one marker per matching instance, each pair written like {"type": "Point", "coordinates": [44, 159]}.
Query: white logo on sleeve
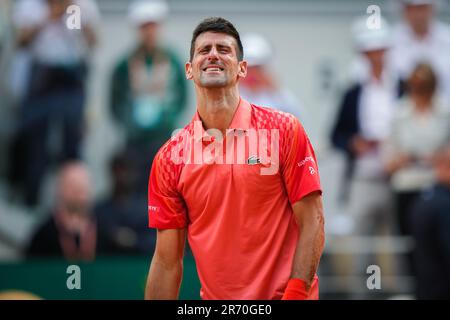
{"type": "Point", "coordinates": [311, 170]}
{"type": "Point", "coordinates": [304, 161]}
{"type": "Point", "coordinates": [153, 208]}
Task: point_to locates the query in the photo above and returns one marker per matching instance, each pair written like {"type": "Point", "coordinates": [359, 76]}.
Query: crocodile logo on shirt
{"type": "Point", "coordinates": [252, 160]}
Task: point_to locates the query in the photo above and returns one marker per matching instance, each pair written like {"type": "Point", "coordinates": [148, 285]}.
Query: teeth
{"type": "Point", "coordinates": [213, 69]}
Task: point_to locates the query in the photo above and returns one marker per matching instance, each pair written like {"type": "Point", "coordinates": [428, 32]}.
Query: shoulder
{"type": "Point", "coordinates": [404, 108]}
{"type": "Point", "coordinates": [349, 101]}
{"type": "Point", "coordinates": [442, 31]}
{"type": "Point", "coordinates": [354, 89]}
{"type": "Point", "coordinates": [399, 30]}
{"type": "Point", "coordinates": [351, 94]}
{"type": "Point", "coordinates": [169, 54]}
{"type": "Point", "coordinates": [442, 107]}
{"type": "Point", "coordinates": [45, 231]}
{"type": "Point", "coordinates": [121, 65]}
{"type": "Point", "coordinates": [123, 61]}
{"type": "Point", "coordinates": [287, 125]}
{"type": "Point", "coordinates": [270, 118]}
{"type": "Point", "coordinates": [168, 159]}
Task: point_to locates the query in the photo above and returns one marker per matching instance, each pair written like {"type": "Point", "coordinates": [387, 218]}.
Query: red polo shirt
{"type": "Point", "coordinates": [240, 223]}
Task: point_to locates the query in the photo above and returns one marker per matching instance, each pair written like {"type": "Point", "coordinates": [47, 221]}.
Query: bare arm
{"type": "Point", "coordinates": [90, 36]}
{"type": "Point", "coordinates": [309, 217]}
{"type": "Point", "coordinates": [25, 36]}
{"type": "Point", "coordinates": [166, 269]}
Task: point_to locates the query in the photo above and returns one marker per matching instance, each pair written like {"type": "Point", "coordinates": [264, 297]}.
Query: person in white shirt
{"type": "Point", "coordinates": [420, 37]}
{"type": "Point", "coordinates": [364, 122]}
{"type": "Point", "coordinates": [420, 126]}
{"type": "Point", "coordinates": [42, 27]}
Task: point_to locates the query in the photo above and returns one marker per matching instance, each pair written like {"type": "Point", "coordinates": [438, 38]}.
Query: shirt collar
{"type": "Point", "coordinates": [241, 118]}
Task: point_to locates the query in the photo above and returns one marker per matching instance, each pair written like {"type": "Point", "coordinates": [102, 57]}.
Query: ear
{"type": "Point", "coordinates": [188, 70]}
{"type": "Point", "coordinates": [242, 73]}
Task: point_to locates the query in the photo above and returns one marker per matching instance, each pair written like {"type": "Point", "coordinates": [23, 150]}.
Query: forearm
{"type": "Point", "coordinates": [25, 36]}
{"type": "Point", "coordinates": [163, 282]}
{"type": "Point", "coordinates": [397, 162]}
{"type": "Point", "coordinates": [90, 36]}
{"type": "Point", "coordinates": [308, 252]}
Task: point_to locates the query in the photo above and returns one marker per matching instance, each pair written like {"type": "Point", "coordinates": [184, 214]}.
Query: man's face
{"type": "Point", "coordinates": [418, 85]}
{"type": "Point", "coordinates": [58, 7]}
{"type": "Point", "coordinates": [74, 191]}
{"type": "Point", "coordinates": [148, 33]}
{"type": "Point", "coordinates": [215, 61]}
{"type": "Point", "coordinates": [375, 57]}
{"type": "Point", "coordinates": [419, 16]}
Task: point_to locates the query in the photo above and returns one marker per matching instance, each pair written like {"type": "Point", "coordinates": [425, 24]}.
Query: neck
{"type": "Point", "coordinates": [421, 33]}
{"type": "Point", "coordinates": [423, 102]}
{"type": "Point", "coordinates": [377, 72]}
{"type": "Point", "coordinates": [216, 107]}
{"type": "Point", "coordinates": [148, 50]}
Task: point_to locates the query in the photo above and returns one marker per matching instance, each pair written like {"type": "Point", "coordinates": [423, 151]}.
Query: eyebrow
{"type": "Point", "coordinates": [219, 45]}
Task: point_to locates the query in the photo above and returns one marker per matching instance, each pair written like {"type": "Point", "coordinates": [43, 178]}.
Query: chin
{"type": "Point", "coordinates": [213, 83]}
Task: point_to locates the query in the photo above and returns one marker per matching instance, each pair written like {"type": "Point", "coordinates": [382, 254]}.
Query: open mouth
{"type": "Point", "coordinates": [212, 69]}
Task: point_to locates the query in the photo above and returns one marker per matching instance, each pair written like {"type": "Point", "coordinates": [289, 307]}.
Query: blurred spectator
{"type": "Point", "coordinates": [420, 126]}
{"type": "Point", "coordinates": [148, 90]}
{"type": "Point", "coordinates": [70, 231]}
{"type": "Point", "coordinates": [363, 122]}
{"type": "Point", "coordinates": [430, 227]}
{"type": "Point", "coordinates": [122, 217]}
{"type": "Point", "coordinates": [422, 38]}
{"type": "Point", "coordinates": [260, 86]}
{"type": "Point", "coordinates": [18, 295]}
{"type": "Point", "coordinates": [54, 97]}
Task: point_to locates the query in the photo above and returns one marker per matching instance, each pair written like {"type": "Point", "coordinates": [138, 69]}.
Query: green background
{"type": "Point", "coordinates": [106, 278]}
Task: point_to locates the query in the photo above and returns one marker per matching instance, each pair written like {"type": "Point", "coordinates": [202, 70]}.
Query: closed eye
{"type": "Point", "coordinates": [223, 49]}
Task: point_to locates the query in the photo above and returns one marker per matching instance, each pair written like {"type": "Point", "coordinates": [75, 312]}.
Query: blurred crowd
{"type": "Point", "coordinates": [392, 125]}
{"type": "Point", "coordinates": [50, 74]}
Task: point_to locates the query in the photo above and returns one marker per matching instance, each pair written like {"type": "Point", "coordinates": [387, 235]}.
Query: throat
{"type": "Point", "coordinates": [218, 113]}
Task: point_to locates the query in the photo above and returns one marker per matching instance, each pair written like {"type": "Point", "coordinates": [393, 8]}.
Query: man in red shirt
{"type": "Point", "coordinates": [241, 182]}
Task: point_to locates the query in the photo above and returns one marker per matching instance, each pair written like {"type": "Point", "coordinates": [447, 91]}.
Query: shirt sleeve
{"type": "Point", "coordinates": [299, 165]}
{"type": "Point", "coordinates": [166, 207]}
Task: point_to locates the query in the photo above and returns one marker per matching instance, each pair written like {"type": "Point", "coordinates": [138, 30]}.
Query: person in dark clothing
{"type": "Point", "coordinates": [70, 231]}
{"type": "Point", "coordinates": [122, 217]}
{"type": "Point", "coordinates": [54, 95]}
{"type": "Point", "coordinates": [430, 228]}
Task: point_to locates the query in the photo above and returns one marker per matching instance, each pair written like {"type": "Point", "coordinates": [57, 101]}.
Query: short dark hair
{"type": "Point", "coordinates": [218, 25]}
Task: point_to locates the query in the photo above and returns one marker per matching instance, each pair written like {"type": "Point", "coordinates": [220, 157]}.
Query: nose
{"type": "Point", "coordinates": [213, 54]}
